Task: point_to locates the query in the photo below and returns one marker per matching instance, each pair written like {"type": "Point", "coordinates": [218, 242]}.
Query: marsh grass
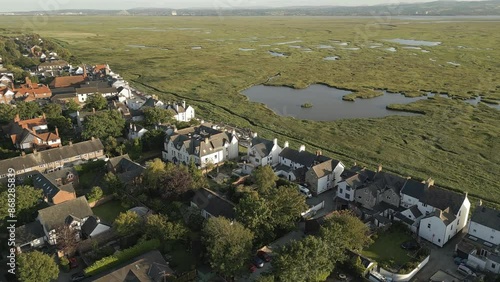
{"type": "Point", "coordinates": [454, 143]}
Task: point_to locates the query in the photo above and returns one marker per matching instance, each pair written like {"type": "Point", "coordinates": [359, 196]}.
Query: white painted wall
{"type": "Point", "coordinates": [408, 201]}
{"type": "Point", "coordinates": [435, 232]}
{"type": "Point", "coordinates": [484, 233]}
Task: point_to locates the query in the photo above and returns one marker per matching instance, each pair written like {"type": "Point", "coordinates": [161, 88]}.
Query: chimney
{"type": "Point", "coordinates": [17, 118]}
{"type": "Point", "coordinates": [302, 148]}
{"type": "Point", "coordinates": [184, 104]}
{"type": "Point", "coordinates": [177, 107]}
{"type": "Point", "coordinates": [429, 182]}
{"type": "Point", "coordinates": [175, 129]}
{"type": "Point", "coordinates": [28, 81]}
{"type": "Point", "coordinates": [135, 128]}
{"type": "Point", "coordinates": [254, 135]}
{"type": "Point", "coordinates": [131, 126]}
{"type": "Point", "coordinates": [318, 153]}
{"type": "Point", "coordinates": [35, 151]}
{"type": "Point", "coordinates": [43, 115]}
{"type": "Point", "coordinates": [379, 169]}
{"type": "Point", "coordinates": [78, 114]}
{"type": "Point", "coordinates": [70, 143]}
{"type": "Point", "coordinates": [286, 145]}
{"type": "Point", "coordinates": [206, 140]}
{"type": "Point", "coordinates": [57, 131]}
{"type": "Point", "coordinates": [93, 138]}
{"type": "Point", "coordinates": [23, 153]}
{"type": "Point", "coordinates": [480, 203]}
{"type": "Point", "coordinates": [355, 163]}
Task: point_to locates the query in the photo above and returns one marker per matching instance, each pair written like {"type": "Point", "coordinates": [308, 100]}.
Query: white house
{"type": "Point", "coordinates": [29, 236]}
{"type": "Point", "coordinates": [262, 152]}
{"type": "Point", "coordinates": [348, 184]}
{"type": "Point", "coordinates": [181, 111]}
{"type": "Point", "coordinates": [136, 131]}
{"type": "Point", "coordinates": [202, 144]}
{"type": "Point", "coordinates": [321, 173]}
{"type": "Point", "coordinates": [125, 93]}
{"type": "Point", "coordinates": [481, 246]}
{"type": "Point", "coordinates": [444, 212]}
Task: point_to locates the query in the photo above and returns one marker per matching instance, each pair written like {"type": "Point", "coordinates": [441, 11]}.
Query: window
{"type": "Point", "coordinates": [439, 240]}
{"type": "Point", "coordinates": [491, 237]}
{"type": "Point", "coordinates": [474, 230]}
{"type": "Point", "coordinates": [493, 265]}
{"type": "Point", "coordinates": [425, 205]}
{"type": "Point", "coordinates": [341, 191]}
{"type": "Point", "coordinates": [429, 225]}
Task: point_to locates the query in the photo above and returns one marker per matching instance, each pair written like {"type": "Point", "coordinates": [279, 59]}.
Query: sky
{"type": "Point", "coordinates": [50, 5]}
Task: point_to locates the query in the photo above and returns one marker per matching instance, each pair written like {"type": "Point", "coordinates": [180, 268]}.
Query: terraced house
{"type": "Point", "coordinates": [202, 144]}
{"type": "Point", "coordinates": [50, 160]}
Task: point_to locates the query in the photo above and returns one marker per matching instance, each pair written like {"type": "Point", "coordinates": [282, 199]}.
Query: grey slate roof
{"type": "Point", "coordinates": [126, 169]}
{"type": "Point", "coordinates": [214, 204]}
{"type": "Point", "coordinates": [149, 267]}
{"type": "Point", "coordinates": [487, 216]}
{"type": "Point", "coordinates": [442, 199]}
{"type": "Point", "coordinates": [50, 156]}
{"type": "Point", "coordinates": [415, 211]}
{"type": "Point", "coordinates": [89, 225]}
{"type": "Point", "coordinates": [414, 188]}
{"type": "Point", "coordinates": [201, 140]}
{"type": "Point", "coordinates": [29, 232]}
{"type": "Point", "coordinates": [49, 182]}
{"type": "Point", "coordinates": [262, 146]}
{"type": "Point", "coordinates": [304, 158]}
{"type": "Point", "coordinates": [58, 214]}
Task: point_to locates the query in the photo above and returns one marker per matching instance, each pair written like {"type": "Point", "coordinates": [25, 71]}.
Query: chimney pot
{"type": "Point", "coordinates": [70, 143]}
{"type": "Point", "coordinates": [275, 141]}
{"type": "Point", "coordinates": [302, 148]}
{"type": "Point", "coordinates": [379, 169]}
{"type": "Point", "coordinates": [286, 145]}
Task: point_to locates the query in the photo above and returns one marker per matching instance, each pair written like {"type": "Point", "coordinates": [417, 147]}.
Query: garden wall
{"type": "Point", "coordinates": [404, 277]}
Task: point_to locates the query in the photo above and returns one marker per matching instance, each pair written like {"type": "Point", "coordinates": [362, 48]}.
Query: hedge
{"type": "Point", "coordinates": [109, 262]}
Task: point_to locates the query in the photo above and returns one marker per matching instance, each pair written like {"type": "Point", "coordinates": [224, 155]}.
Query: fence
{"type": "Point", "coordinates": [404, 277]}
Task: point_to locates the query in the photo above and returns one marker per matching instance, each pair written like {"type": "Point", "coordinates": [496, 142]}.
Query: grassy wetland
{"type": "Point", "coordinates": [209, 60]}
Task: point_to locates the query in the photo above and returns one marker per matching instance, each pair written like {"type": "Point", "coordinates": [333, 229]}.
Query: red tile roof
{"type": "Point", "coordinates": [67, 81]}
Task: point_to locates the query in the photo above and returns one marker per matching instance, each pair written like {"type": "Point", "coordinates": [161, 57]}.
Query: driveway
{"type": "Point", "coordinates": [440, 259]}
{"type": "Point", "coordinates": [294, 235]}
{"type": "Point", "coordinates": [66, 276]}
{"type": "Point", "coordinates": [326, 197]}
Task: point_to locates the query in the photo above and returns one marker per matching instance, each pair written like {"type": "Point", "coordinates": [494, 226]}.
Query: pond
{"type": "Point", "coordinates": [328, 104]}
{"type": "Point", "coordinates": [412, 42]}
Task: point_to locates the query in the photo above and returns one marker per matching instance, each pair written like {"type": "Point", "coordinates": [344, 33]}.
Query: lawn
{"type": "Point", "coordinates": [386, 248]}
{"type": "Point", "coordinates": [109, 211]}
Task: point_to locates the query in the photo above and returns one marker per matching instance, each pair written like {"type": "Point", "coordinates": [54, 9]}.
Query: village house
{"type": "Point", "coordinates": [30, 91]}
{"type": "Point", "coordinates": [6, 95]}
{"type": "Point", "coordinates": [181, 112]}
{"type": "Point", "coordinates": [73, 213]}
{"type": "Point", "coordinates": [31, 134]}
{"type": "Point", "coordinates": [444, 212]}
{"type": "Point", "coordinates": [50, 160]}
{"type": "Point", "coordinates": [6, 81]}
{"type": "Point", "coordinates": [57, 186]}
{"type": "Point", "coordinates": [262, 152]}
{"type": "Point", "coordinates": [30, 236]}
{"type": "Point", "coordinates": [52, 65]}
{"type": "Point", "coordinates": [213, 205]}
{"type": "Point", "coordinates": [201, 144]}
{"type": "Point", "coordinates": [126, 170]}
{"type": "Point", "coordinates": [148, 267]}
{"type": "Point", "coordinates": [481, 246]}
{"type": "Point", "coordinates": [63, 95]}
{"type": "Point", "coordinates": [318, 172]}
{"type": "Point", "coordinates": [136, 131]}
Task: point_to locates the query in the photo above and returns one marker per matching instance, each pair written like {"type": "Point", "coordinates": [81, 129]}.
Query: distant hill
{"type": "Point", "coordinates": [437, 8]}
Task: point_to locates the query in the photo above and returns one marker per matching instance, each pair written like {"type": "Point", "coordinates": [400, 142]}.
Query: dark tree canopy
{"type": "Point", "coordinates": [66, 239]}
{"type": "Point", "coordinates": [36, 266]}
{"type": "Point", "coordinates": [27, 199]}
{"type": "Point", "coordinates": [154, 115]}
{"type": "Point", "coordinates": [28, 110]}
{"type": "Point", "coordinates": [97, 102]}
{"type": "Point", "coordinates": [228, 245]}
{"type": "Point", "coordinates": [103, 125]}
{"type": "Point", "coordinates": [264, 178]}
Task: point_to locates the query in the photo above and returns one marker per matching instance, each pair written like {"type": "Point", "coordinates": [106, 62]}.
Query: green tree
{"type": "Point", "coordinates": [264, 178]}
{"type": "Point", "coordinates": [134, 148]}
{"type": "Point", "coordinates": [316, 261]}
{"type": "Point", "coordinates": [155, 171]}
{"type": "Point", "coordinates": [28, 110]}
{"type": "Point", "coordinates": [254, 212]}
{"type": "Point", "coordinates": [112, 183]}
{"type": "Point", "coordinates": [27, 199]}
{"type": "Point", "coordinates": [286, 203]}
{"type": "Point", "coordinates": [72, 106]}
{"type": "Point", "coordinates": [7, 113]}
{"type": "Point", "coordinates": [97, 102]}
{"type": "Point", "coordinates": [153, 115]}
{"type": "Point", "coordinates": [127, 223]}
{"type": "Point", "coordinates": [103, 125]}
{"type": "Point", "coordinates": [175, 182]}
{"type": "Point", "coordinates": [347, 223]}
{"type": "Point", "coordinates": [64, 126]}
{"type": "Point", "coordinates": [153, 140]}
{"type": "Point", "coordinates": [52, 110]}
{"type": "Point", "coordinates": [198, 180]}
{"type": "Point", "coordinates": [228, 244]}
{"type": "Point", "coordinates": [157, 226]}
{"type": "Point", "coordinates": [95, 194]}
{"type": "Point", "coordinates": [36, 266]}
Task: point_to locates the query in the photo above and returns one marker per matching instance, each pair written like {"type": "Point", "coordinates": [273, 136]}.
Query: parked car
{"type": "Point", "coordinates": [252, 268]}
{"type": "Point", "coordinates": [465, 270]}
{"type": "Point", "coordinates": [78, 276]}
{"type": "Point", "coordinates": [305, 191]}
{"type": "Point", "coordinates": [73, 263]}
{"type": "Point", "coordinates": [410, 245]}
{"type": "Point", "coordinates": [264, 256]}
{"type": "Point", "coordinates": [258, 262]}
{"type": "Point", "coordinates": [459, 261]}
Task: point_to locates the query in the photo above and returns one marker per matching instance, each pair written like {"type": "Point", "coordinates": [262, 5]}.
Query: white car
{"type": "Point", "coordinates": [466, 271]}
{"type": "Point", "coordinates": [305, 191]}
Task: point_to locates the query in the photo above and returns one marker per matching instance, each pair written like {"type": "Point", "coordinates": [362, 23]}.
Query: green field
{"type": "Point", "coordinates": [454, 143]}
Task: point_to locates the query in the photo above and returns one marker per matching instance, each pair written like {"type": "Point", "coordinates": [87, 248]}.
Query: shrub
{"type": "Point", "coordinates": [64, 262]}
{"type": "Point", "coordinates": [122, 256]}
{"type": "Point", "coordinates": [95, 194]}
